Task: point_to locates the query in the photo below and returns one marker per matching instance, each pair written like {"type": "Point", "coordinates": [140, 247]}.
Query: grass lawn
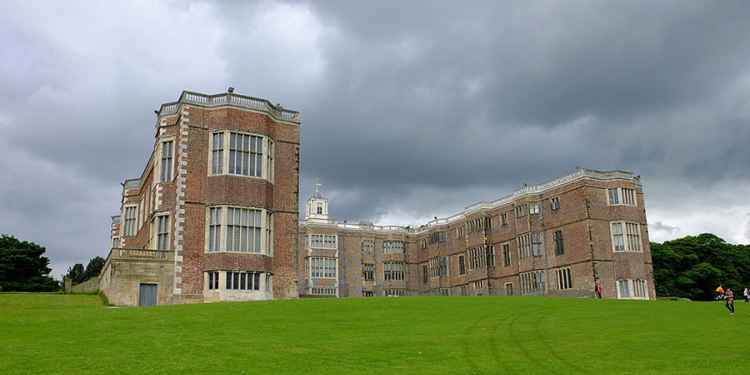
{"type": "Point", "coordinates": [64, 334]}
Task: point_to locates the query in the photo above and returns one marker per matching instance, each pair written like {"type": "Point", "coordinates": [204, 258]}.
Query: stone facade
{"type": "Point", "coordinates": [560, 238]}
{"type": "Point", "coordinates": [217, 201]}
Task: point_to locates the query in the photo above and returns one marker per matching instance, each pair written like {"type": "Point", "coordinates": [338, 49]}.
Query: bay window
{"type": "Point", "coordinates": [241, 154]}
{"type": "Point", "coordinates": [239, 229]}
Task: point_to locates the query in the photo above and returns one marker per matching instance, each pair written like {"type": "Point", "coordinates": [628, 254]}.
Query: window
{"type": "Point", "coordinates": [537, 243]}
{"type": "Point", "coordinates": [461, 265]}
{"type": "Point", "coordinates": [217, 153]}
{"type": "Point", "coordinates": [241, 154]}
{"type": "Point", "coordinates": [437, 237]}
{"type": "Point", "coordinates": [242, 281]}
{"type": "Point", "coordinates": [422, 243]}
{"type": "Point", "coordinates": [555, 203]}
{"type": "Point", "coordinates": [393, 270]}
{"type": "Point", "coordinates": [243, 230]}
{"type": "Point", "coordinates": [115, 241]}
{"type": "Point", "coordinates": [213, 280]}
{"type": "Point", "coordinates": [627, 241]}
{"type": "Point", "coordinates": [320, 210]}
{"type": "Point", "coordinates": [506, 254]}
{"type": "Point", "coordinates": [393, 247]}
{"type": "Point", "coordinates": [632, 289]}
{"type": "Point", "coordinates": [131, 215]}
{"type": "Point", "coordinates": [504, 218]}
{"type": "Point", "coordinates": [368, 293]}
{"type": "Point", "coordinates": [214, 228]}
{"type": "Point", "coordinates": [162, 232]}
{"type": "Point", "coordinates": [438, 266]}
{"type": "Point", "coordinates": [508, 289]}
{"type": "Point", "coordinates": [368, 271]}
{"type": "Point", "coordinates": [323, 291]}
{"type": "Point", "coordinates": [532, 282]}
{"type": "Point", "coordinates": [323, 241]}
{"type": "Point", "coordinates": [621, 196]}
{"type": "Point", "coordinates": [564, 278]}
{"type": "Point", "coordinates": [477, 257]}
{"type": "Point", "coordinates": [479, 224]}
{"type": "Point", "coordinates": [247, 230]}
{"type": "Point", "coordinates": [395, 292]}
{"type": "Point", "coordinates": [559, 248]}
{"type": "Point", "coordinates": [521, 210]}
{"type": "Point", "coordinates": [490, 250]}
{"type": "Point", "coordinates": [460, 232]}
{"type": "Point", "coordinates": [524, 245]}
{"type": "Point", "coordinates": [322, 268]}
{"type": "Point", "coordinates": [425, 274]}
{"type": "Point", "coordinates": [368, 247]}
{"type": "Point", "coordinates": [614, 197]}
{"type": "Point", "coordinates": [166, 161]}
{"type": "Point", "coordinates": [535, 208]}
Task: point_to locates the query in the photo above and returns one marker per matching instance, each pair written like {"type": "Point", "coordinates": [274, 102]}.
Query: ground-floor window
{"type": "Point", "coordinates": [508, 289]}
{"type": "Point", "coordinates": [213, 280]}
{"type": "Point", "coordinates": [532, 282]}
{"type": "Point", "coordinates": [564, 278]}
{"type": "Point", "coordinates": [632, 289]}
{"type": "Point", "coordinates": [323, 291]}
{"type": "Point", "coordinates": [395, 292]}
{"type": "Point", "coordinates": [368, 293]}
{"type": "Point", "coordinates": [239, 280]}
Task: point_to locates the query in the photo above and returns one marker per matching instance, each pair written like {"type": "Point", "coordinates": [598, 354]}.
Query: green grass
{"type": "Point", "coordinates": [59, 334]}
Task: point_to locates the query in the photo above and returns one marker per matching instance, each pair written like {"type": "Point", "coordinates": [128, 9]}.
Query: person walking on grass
{"type": "Point", "coordinates": [729, 295]}
{"type": "Point", "coordinates": [747, 295]}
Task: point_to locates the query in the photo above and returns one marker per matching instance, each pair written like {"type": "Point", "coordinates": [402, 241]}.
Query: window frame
{"type": "Point", "coordinates": [626, 237]}
{"type": "Point", "coordinates": [266, 230]}
{"type": "Point", "coordinates": [267, 154]}
{"type": "Point", "coordinates": [171, 157]}
{"type": "Point", "coordinates": [620, 196]}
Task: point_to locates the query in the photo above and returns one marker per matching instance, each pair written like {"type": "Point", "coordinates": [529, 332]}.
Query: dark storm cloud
{"type": "Point", "coordinates": [410, 109]}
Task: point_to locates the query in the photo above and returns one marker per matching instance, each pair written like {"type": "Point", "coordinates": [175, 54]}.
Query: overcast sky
{"type": "Point", "coordinates": [409, 109]}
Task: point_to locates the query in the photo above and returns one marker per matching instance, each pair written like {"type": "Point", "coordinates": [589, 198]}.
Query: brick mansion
{"type": "Point", "coordinates": [214, 216]}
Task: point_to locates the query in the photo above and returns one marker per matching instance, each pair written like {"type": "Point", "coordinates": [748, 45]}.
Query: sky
{"type": "Point", "coordinates": [409, 109]}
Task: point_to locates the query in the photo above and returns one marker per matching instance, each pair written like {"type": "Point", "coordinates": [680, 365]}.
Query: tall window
{"type": "Point", "coordinates": [217, 153]}
{"type": "Point", "coordinates": [559, 246]}
{"type": "Point", "coordinates": [131, 217]}
{"type": "Point", "coordinates": [490, 256]}
{"type": "Point", "coordinates": [166, 161]}
{"type": "Point", "coordinates": [524, 245]}
{"type": "Point", "coordinates": [241, 154]}
{"type": "Point", "coordinates": [115, 241]}
{"type": "Point", "coordinates": [368, 271]}
{"type": "Point", "coordinates": [243, 230]}
{"type": "Point", "coordinates": [322, 268]}
{"type": "Point", "coordinates": [214, 228]}
{"type": "Point", "coordinates": [393, 270]}
{"type": "Point", "coordinates": [626, 236]}
{"type": "Point", "coordinates": [213, 280]}
{"type": "Point", "coordinates": [537, 243]}
{"type": "Point", "coordinates": [504, 218]}
{"type": "Point", "coordinates": [532, 282]}
{"type": "Point", "coordinates": [614, 196]}
{"type": "Point", "coordinates": [506, 254]}
{"type": "Point", "coordinates": [162, 232]}
{"type": "Point", "coordinates": [555, 203]}
{"type": "Point", "coordinates": [535, 208]}
{"type": "Point", "coordinates": [437, 237]}
{"type": "Point", "coordinates": [239, 229]}
{"type": "Point", "coordinates": [461, 265]}
{"type": "Point", "coordinates": [564, 278]}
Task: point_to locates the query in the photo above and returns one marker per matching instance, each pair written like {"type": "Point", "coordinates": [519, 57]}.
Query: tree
{"type": "Point", "coordinates": [93, 268]}
{"type": "Point", "coordinates": [23, 268]}
{"type": "Point", "coordinates": [693, 266]}
{"type": "Point", "coordinates": [75, 273]}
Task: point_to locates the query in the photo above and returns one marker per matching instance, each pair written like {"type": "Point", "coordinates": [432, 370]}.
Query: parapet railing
{"type": "Point", "coordinates": [122, 253]}
{"type": "Point", "coordinates": [232, 99]}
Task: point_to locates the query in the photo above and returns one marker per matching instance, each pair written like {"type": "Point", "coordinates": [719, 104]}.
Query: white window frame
{"type": "Point", "coordinates": [631, 284]}
{"type": "Point", "coordinates": [155, 231]}
{"type": "Point", "coordinates": [628, 248]}
{"type": "Point", "coordinates": [621, 197]}
{"type": "Point", "coordinates": [134, 227]}
{"type": "Point", "coordinates": [266, 246]}
{"type": "Point", "coordinates": [555, 203]}
{"type": "Point", "coordinates": [325, 240]}
{"type": "Point", "coordinates": [320, 267]}
{"type": "Point", "coordinates": [267, 167]}
{"type": "Point", "coordinates": [160, 158]}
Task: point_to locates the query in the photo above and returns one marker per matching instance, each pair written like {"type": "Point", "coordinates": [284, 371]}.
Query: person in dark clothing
{"type": "Point", "coordinates": [729, 296]}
